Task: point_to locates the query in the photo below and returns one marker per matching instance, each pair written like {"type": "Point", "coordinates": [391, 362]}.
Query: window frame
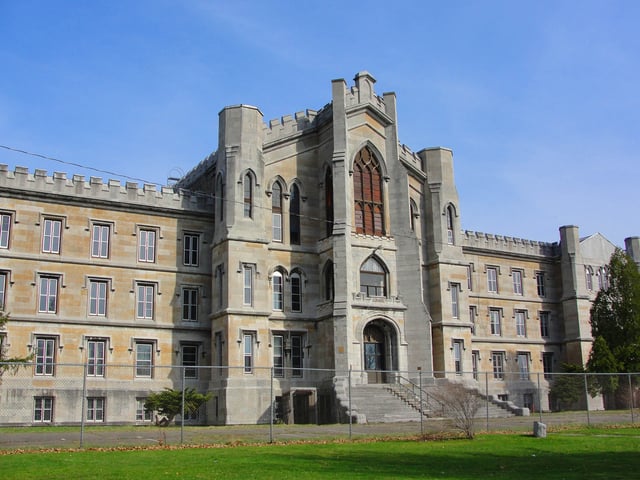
{"type": "Point", "coordinates": [145, 300]}
{"type": "Point", "coordinates": [517, 276]}
{"type": "Point", "coordinates": [455, 299]}
{"type": "Point", "coordinates": [190, 296]}
{"type": "Point", "coordinates": [147, 244]}
{"type": "Point", "coordinates": [191, 249]}
{"type": "Point", "coordinates": [276, 213]}
{"type": "Point", "coordinates": [96, 409]}
{"type": "Point", "coordinates": [547, 365]}
{"type": "Point", "coordinates": [295, 280]}
{"type": "Point", "coordinates": [295, 232]}
{"type": "Point", "coordinates": [521, 323]}
{"type": "Point", "coordinates": [497, 361]}
{"type": "Point", "coordinates": [368, 194]}
{"type": "Point", "coordinates": [495, 322]}
{"type": "Point", "coordinates": [457, 347]}
{"type": "Point", "coordinates": [247, 192]}
{"type": "Point", "coordinates": [297, 355]}
{"type": "Point", "coordinates": [96, 360]}
{"type": "Point", "coordinates": [100, 246]}
{"type": "Point", "coordinates": [189, 362]}
{"type": "Point", "coordinates": [545, 324]}
{"type": "Point", "coordinates": [51, 240]}
{"type": "Point", "coordinates": [48, 296]}
{"type": "Point", "coordinates": [278, 355]}
{"type": "Point", "coordinates": [524, 371]}
{"type": "Point", "coordinates": [4, 277]}
{"type": "Point", "coordinates": [540, 284]}
{"type": "Point", "coordinates": [248, 352]}
{"type": "Point", "coordinates": [366, 277]}
{"type": "Point", "coordinates": [6, 222]}
{"type": "Point", "coordinates": [98, 297]}
{"type": "Point", "coordinates": [492, 279]}
{"type": "Point", "coordinates": [142, 414]}
{"type": "Point", "coordinates": [45, 358]}
{"type": "Point", "coordinates": [247, 285]}
{"type": "Point", "coordinates": [277, 290]}
{"type": "Point", "coordinates": [42, 408]}
{"type": "Point", "coordinates": [143, 365]}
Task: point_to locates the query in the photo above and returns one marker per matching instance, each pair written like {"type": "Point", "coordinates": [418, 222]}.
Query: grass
{"type": "Point", "coordinates": [595, 453]}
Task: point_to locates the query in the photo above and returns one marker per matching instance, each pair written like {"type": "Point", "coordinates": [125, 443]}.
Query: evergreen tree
{"type": "Point", "coordinates": [6, 362]}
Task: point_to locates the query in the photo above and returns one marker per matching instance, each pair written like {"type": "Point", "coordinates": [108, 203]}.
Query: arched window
{"type": "Point", "coordinates": [247, 187]}
{"type": "Point", "coordinates": [450, 234]}
{"type": "Point", "coordinates": [277, 285]}
{"type": "Point", "coordinates": [413, 214]}
{"type": "Point", "coordinates": [276, 212]}
{"type": "Point", "coordinates": [296, 292]}
{"type": "Point", "coordinates": [328, 201]}
{"type": "Point", "coordinates": [373, 278]}
{"type": "Point", "coordinates": [589, 277]}
{"type": "Point", "coordinates": [327, 276]}
{"type": "Point", "coordinates": [219, 198]}
{"type": "Point", "coordinates": [294, 215]}
{"type": "Point", "coordinates": [367, 194]}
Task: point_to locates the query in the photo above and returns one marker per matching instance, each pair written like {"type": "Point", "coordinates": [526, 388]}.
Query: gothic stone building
{"type": "Point", "coordinates": [310, 249]}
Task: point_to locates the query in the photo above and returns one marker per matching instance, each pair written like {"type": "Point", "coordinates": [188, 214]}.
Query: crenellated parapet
{"type": "Point", "coordinates": [289, 125]}
{"type": "Point", "coordinates": [511, 245]}
{"type": "Point", "coordinates": [410, 156]}
{"type": "Point", "coordinates": [95, 189]}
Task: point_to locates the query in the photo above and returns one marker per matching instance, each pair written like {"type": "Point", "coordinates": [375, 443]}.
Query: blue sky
{"type": "Point", "coordinates": [538, 100]}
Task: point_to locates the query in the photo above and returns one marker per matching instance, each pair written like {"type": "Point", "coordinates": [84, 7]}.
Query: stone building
{"type": "Point", "coordinates": [300, 253]}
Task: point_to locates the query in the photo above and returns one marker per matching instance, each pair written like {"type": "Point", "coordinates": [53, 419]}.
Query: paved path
{"type": "Point", "coordinates": [108, 436]}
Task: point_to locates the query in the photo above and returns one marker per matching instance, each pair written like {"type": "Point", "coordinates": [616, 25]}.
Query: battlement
{"type": "Point", "coordinates": [410, 156]}
{"type": "Point", "coordinates": [504, 244]}
{"type": "Point", "coordinates": [352, 99]}
{"type": "Point", "coordinates": [96, 189]}
{"type": "Point", "coordinates": [289, 125]}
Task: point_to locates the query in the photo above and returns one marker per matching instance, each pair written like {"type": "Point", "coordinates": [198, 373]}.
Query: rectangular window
{"type": "Point", "coordinates": [5, 229]}
{"type": "Point", "coordinates": [492, 280]}
{"type": "Point", "coordinates": [455, 307]}
{"type": "Point", "coordinates": [45, 355]}
{"type": "Point", "coordinates": [219, 279]}
{"type": "Point", "coordinates": [589, 278]}
{"type": "Point", "coordinates": [145, 295]}
{"type": "Point", "coordinates": [475, 362]}
{"type": "Point", "coordinates": [497, 359]}
{"type": "Point", "coordinates": [296, 293]}
{"type": "Point", "coordinates": [48, 297]}
{"type": "Point", "coordinates": [540, 283]}
{"type": "Point", "coordinates": [100, 241]}
{"type": "Point", "coordinates": [457, 356]}
{"type": "Point", "coordinates": [278, 356]}
{"type": "Point", "coordinates": [95, 409]}
{"type": "Point", "coordinates": [277, 227]}
{"type": "Point", "coordinates": [190, 304]}
{"type": "Point", "coordinates": [544, 324]}
{"type": "Point", "coordinates": [521, 323]}
{"type": "Point", "coordinates": [96, 357]}
{"type": "Point", "coordinates": [51, 235]}
{"type": "Point", "coordinates": [297, 355]}
{"type": "Point", "coordinates": [98, 297]}
{"type": "Point", "coordinates": [247, 277]}
{"type": "Point", "coordinates": [43, 409]}
{"type": "Point", "coordinates": [523, 365]}
{"type": "Point", "coordinates": [191, 248]}
{"type": "Point", "coordinates": [277, 283]}
{"type": "Point", "coordinates": [142, 414]}
{"type": "Point", "coordinates": [3, 286]}
{"type": "Point", "coordinates": [495, 320]}
{"type": "Point", "coordinates": [517, 282]}
{"type": "Point", "coordinates": [144, 359]}
{"type": "Point", "coordinates": [547, 365]}
{"type": "Point", "coordinates": [470, 277]}
{"type": "Point", "coordinates": [247, 341]}
{"type": "Point", "coordinates": [190, 360]}
{"type": "Point", "coordinates": [472, 319]}
{"type": "Point", "coordinates": [218, 344]}
{"type": "Point", "coordinates": [147, 245]}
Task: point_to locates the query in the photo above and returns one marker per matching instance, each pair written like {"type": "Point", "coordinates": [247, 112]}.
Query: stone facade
{"type": "Point", "coordinates": [303, 249]}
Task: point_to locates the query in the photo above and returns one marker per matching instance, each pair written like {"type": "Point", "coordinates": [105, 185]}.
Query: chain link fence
{"type": "Point", "coordinates": [295, 403]}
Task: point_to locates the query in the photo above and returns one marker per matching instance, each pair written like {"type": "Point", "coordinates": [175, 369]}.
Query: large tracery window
{"type": "Point", "coordinates": [367, 194]}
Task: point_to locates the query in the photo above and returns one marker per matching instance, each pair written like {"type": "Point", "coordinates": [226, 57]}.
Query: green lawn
{"type": "Point", "coordinates": [570, 454]}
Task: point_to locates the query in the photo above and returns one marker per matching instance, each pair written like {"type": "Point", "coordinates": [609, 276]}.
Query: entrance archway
{"type": "Point", "coordinates": [378, 340]}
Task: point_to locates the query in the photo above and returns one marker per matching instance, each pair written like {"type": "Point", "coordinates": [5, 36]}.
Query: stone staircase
{"type": "Point", "coordinates": [387, 403]}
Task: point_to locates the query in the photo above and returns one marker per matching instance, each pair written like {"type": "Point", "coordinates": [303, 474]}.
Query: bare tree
{"type": "Point", "coordinates": [461, 404]}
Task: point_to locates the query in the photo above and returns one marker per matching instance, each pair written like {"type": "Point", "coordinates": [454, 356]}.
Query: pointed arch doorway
{"type": "Point", "coordinates": [379, 351]}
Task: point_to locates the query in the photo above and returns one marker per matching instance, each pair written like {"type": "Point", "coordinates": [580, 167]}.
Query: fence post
{"type": "Point", "coordinates": [84, 395]}
{"type": "Point", "coordinates": [630, 396]}
{"type": "Point", "coordinates": [486, 397]}
{"type": "Point", "coordinates": [421, 404]}
{"type": "Point", "coordinates": [586, 399]}
{"type": "Point", "coordinates": [272, 402]}
{"type": "Point", "coordinates": [182, 413]}
{"type": "Point", "coordinates": [350, 415]}
{"type": "Point", "coordinates": [539, 399]}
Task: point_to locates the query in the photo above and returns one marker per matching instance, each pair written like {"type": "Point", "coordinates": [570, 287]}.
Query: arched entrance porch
{"type": "Point", "coordinates": [379, 342]}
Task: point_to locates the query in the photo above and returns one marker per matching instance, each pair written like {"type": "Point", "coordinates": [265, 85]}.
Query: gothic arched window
{"type": "Point", "coordinates": [276, 212]}
{"type": "Point", "coordinates": [373, 278]}
{"type": "Point", "coordinates": [367, 194]}
{"type": "Point", "coordinates": [294, 215]}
